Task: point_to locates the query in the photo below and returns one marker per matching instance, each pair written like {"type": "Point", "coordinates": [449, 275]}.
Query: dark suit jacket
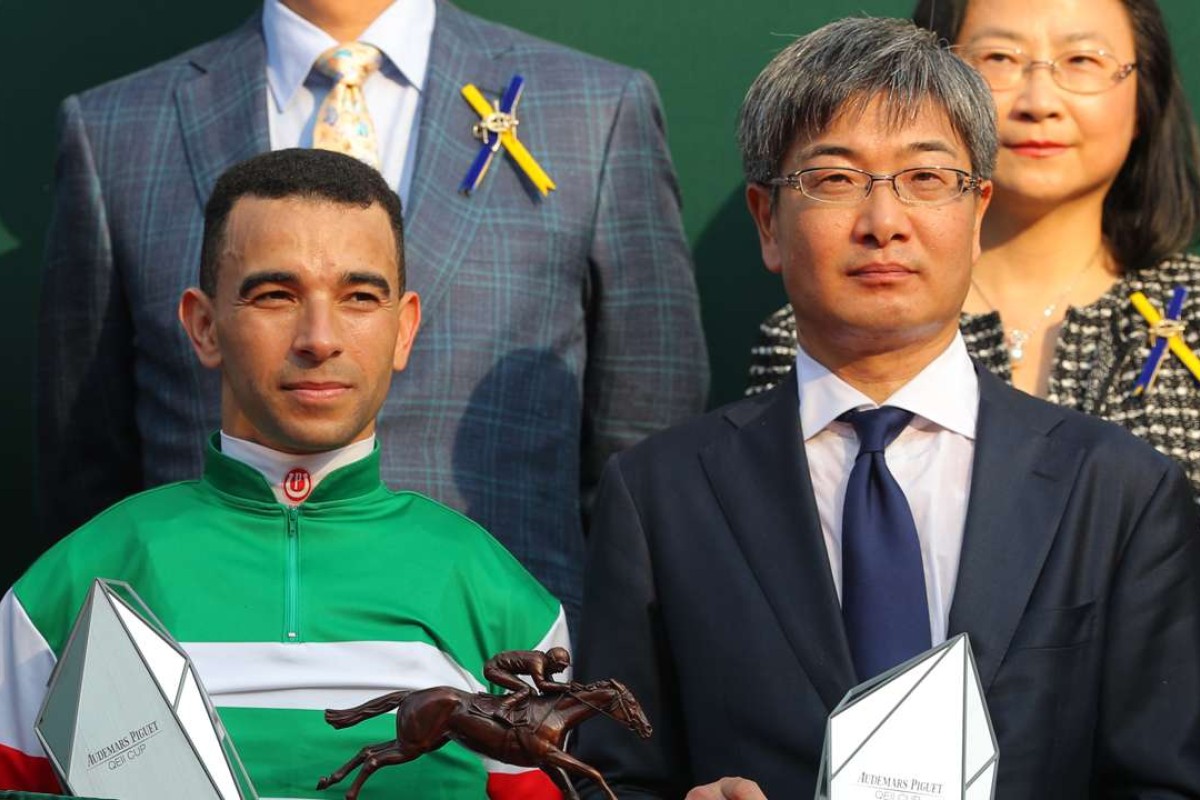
{"type": "Point", "coordinates": [708, 591]}
{"type": "Point", "coordinates": [554, 331]}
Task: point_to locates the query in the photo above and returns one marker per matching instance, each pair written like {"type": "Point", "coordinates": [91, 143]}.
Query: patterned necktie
{"type": "Point", "coordinates": [343, 123]}
{"type": "Point", "coordinates": [884, 606]}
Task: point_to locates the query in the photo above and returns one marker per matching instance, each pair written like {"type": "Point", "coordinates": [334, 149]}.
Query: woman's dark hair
{"type": "Point", "coordinates": [1153, 207]}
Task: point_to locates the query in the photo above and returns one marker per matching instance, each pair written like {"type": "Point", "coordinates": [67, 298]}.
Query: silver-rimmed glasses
{"type": "Point", "coordinates": [919, 186]}
{"type": "Point", "coordinates": [1078, 71]}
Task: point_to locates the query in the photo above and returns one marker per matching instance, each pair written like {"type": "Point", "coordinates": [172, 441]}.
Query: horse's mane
{"type": "Point", "coordinates": [605, 683]}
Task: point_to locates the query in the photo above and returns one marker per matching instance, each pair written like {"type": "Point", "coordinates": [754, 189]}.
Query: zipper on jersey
{"type": "Point", "coordinates": [291, 600]}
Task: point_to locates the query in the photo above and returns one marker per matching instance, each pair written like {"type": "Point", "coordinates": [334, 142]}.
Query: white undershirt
{"type": "Point", "coordinates": [403, 32]}
{"type": "Point", "coordinates": [931, 460]}
{"type": "Point", "coordinates": [275, 466]}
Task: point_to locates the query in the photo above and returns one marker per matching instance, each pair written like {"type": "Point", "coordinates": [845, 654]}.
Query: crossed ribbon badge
{"type": "Point", "coordinates": [498, 128]}
{"type": "Point", "coordinates": [1164, 332]}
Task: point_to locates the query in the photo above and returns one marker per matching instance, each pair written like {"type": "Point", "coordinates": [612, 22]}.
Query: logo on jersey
{"type": "Point", "coordinates": [297, 485]}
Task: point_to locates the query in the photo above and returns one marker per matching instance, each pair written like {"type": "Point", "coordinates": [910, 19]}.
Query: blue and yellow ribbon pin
{"type": "Point", "coordinates": [1164, 332]}
{"type": "Point", "coordinates": [497, 127]}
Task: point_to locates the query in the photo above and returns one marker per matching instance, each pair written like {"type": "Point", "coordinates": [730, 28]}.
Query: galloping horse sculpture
{"type": "Point", "coordinates": [428, 718]}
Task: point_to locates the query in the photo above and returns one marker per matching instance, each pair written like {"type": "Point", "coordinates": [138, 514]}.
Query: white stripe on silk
{"type": "Point", "coordinates": [335, 674]}
{"type": "Point", "coordinates": [26, 662]}
{"type": "Point", "coordinates": [320, 675]}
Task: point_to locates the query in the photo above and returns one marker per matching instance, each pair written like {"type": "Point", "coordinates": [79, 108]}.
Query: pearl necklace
{"type": "Point", "coordinates": [1019, 337]}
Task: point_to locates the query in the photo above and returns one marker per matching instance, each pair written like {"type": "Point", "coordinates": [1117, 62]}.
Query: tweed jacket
{"type": "Point", "coordinates": [555, 331]}
{"type": "Point", "coordinates": [1100, 352]}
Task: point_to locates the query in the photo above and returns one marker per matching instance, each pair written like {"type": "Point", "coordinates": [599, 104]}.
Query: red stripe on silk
{"type": "Point", "coordinates": [25, 772]}
{"type": "Point", "coordinates": [531, 785]}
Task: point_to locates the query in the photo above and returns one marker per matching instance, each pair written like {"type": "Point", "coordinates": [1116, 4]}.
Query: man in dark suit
{"type": "Point", "coordinates": [749, 567]}
{"type": "Point", "coordinates": [557, 330]}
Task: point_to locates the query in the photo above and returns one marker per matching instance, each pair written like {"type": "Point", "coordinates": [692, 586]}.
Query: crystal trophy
{"type": "Point", "coordinates": [919, 731]}
{"type": "Point", "coordinates": [125, 715]}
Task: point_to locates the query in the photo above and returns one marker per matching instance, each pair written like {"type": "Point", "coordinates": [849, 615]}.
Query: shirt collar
{"type": "Point", "coordinates": [403, 33]}
{"type": "Point", "coordinates": [253, 472]}
{"type": "Point", "coordinates": [945, 393]}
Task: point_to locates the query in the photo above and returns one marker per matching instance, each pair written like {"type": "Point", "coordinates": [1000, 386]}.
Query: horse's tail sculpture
{"type": "Point", "coordinates": [344, 718]}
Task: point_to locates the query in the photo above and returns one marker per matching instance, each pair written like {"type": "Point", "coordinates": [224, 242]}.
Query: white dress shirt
{"type": "Point", "coordinates": [403, 33]}
{"type": "Point", "coordinates": [931, 460]}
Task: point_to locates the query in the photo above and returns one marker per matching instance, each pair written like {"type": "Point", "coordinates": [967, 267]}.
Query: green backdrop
{"type": "Point", "coordinates": [702, 54]}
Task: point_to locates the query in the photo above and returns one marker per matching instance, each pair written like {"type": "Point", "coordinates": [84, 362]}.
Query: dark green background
{"type": "Point", "coordinates": [702, 54]}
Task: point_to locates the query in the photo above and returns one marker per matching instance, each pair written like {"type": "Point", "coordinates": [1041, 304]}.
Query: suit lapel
{"type": "Point", "coordinates": [223, 110]}
{"type": "Point", "coordinates": [223, 118]}
{"type": "Point", "coordinates": [440, 222]}
{"type": "Point", "coordinates": [760, 478]}
{"type": "Point", "coordinates": [1020, 484]}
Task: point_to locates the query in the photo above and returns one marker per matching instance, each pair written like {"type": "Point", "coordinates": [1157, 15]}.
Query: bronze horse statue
{"type": "Point", "coordinates": [428, 718]}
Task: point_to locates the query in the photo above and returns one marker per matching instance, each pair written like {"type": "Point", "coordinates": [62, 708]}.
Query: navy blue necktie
{"type": "Point", "coordinates": [884, 606]}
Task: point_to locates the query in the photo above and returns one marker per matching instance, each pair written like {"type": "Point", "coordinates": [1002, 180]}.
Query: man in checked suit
{"type": "Point", "coordinates": [747, 568]}
{"type": "Point", "coordinates": [557, 330]}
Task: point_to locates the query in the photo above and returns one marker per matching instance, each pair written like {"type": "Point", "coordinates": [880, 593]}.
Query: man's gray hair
{"type": "Point", "coordinates": [843, 67]}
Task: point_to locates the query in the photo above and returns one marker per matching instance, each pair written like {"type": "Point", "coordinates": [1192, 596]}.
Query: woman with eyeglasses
{"type": "Point", "coordinates": [1097, 193]}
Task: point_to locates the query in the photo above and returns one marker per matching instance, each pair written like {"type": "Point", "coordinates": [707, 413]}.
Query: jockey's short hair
{"type": "Point", "coordinates": [302, 173]}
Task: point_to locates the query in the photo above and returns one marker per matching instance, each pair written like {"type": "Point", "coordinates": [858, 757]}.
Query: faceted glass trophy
{"type": "Point", "coordinates": [125, 715]}
{"type": "Point", "coordinates": [919, 731]}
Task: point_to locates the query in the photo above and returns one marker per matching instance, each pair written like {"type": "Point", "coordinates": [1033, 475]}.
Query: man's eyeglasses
{"type": "Point", "coordinates": [846, 186]}
{"type": "Point", "coordinates": [1078, 71]}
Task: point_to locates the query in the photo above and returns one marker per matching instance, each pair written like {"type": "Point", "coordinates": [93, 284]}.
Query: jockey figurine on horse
{"type": "Point", "coordinates": [504, 668]}
{"type": "Point", "coordinates": [426, 719]}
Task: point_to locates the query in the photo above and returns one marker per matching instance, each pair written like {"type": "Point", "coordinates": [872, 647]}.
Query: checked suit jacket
{"type": "Point", "coordinates": [556, 331]}
{"type": "Point", "coordinates": [709, 593]}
